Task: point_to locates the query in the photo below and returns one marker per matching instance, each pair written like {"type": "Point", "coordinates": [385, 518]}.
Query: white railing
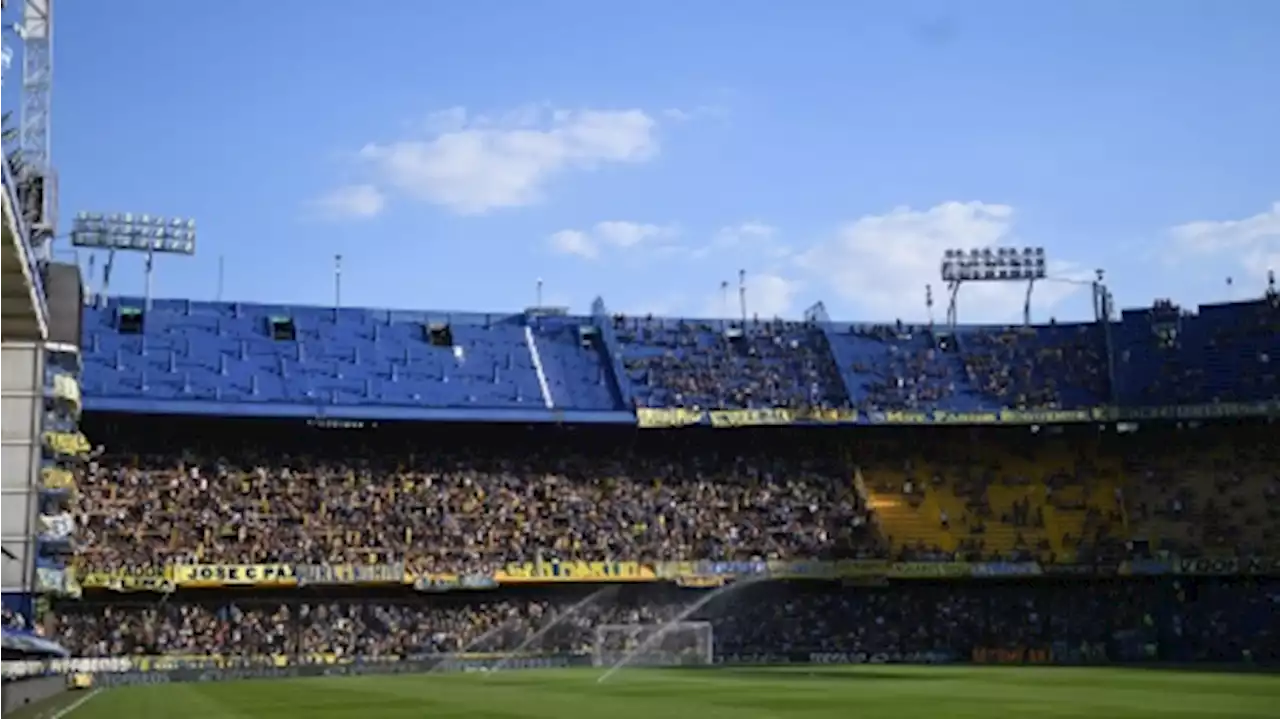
{"type": "Point", "coordinates": [537, 366]}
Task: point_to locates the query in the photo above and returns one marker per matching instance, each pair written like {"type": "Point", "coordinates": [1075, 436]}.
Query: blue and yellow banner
{"type": "Point", "coordinates": [659, 418]}
{"type": "Point", "coordinates": [1229, 566]}
{"type": "Point", "coordinates": [662, 418]}
{"type": "Point", "coordinates": [350, 574]}
{"type": "Point", "coordinates": [57, 479]}
{"type": "Point", "coordinates": [776, 569]}
{"type": "Point", "coordinates": [454, 582]}
{"type": "Point", "coordinates": [576, 571]}
{"type": "Point", "coordinates": [127, 580]}
{"type": "Point", "coordinates": [234, 575]}
{"type": "Point", "coordinates": [701, 582]}
{"type": "Point", "coordinates": [929, 570]}
{"type": "Point", "coordinates": [1006, 416]}
{"type": "Point", "coordinates": [69, 444]}
{"type": "Point", "coordinates": [1006, 569]}
{"type": "Point", "coordinates": [751, 417]}
{"type": "Point", "coordinates": [701, 574]}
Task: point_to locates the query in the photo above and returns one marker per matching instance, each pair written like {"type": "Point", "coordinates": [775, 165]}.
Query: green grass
{"type": "Point", "coordinates": [740, 693]}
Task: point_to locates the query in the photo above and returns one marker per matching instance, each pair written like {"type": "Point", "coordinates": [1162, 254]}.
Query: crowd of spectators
{"type": "Point", "coordinates": [1223, 353]}
{"type": "Point", "coordinates": [557, 495]}
{"type": "Point", "coordinates": [907, 367]}
{"type": "Point", "coordinates": [1217, 495]}
{"type": "Point", "coordinates": [719, 365]}
{"type": "Point", "coordinates": [998, 494]}
{"type": "Point", "coordinates": [914, 373]}
{"type": "Point", "coordinates": [13, 620]}
{"type": "Point", "coordinates": [1056, 367]}
{"type": "Point", "coordinates": [1083, 620]}
{"type": "Point", "coordinates": [469, 509]}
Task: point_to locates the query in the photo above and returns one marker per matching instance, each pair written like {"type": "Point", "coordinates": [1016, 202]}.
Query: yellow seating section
{"type": "Point", "coordinates": [911, 521]}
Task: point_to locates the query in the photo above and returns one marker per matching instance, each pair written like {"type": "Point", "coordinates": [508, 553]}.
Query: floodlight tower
{"type": "Point", "coordinates": [128, 232]}
{"type": "Point", "coordinates": [38, 179]}
{"type": "Point", "coordinates": [992, 264]}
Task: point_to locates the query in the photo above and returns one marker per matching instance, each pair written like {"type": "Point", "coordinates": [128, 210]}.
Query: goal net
{"type": "Point", "coordinates": [654, 645]}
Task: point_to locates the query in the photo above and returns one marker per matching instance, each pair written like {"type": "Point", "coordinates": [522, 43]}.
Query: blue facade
{"type": "Point", "coordinates": [262, 360]}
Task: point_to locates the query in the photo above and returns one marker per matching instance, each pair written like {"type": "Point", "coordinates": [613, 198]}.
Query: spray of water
{"type": "Point", "coordinates": [666, 628]}
{"type": "Point", "coordinates": [559, 619]}
{"type": "Point", "coordinates": [477, 642]}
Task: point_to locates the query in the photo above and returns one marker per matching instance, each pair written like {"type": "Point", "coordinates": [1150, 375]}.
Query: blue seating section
{"type": "Point", "coordinates": [974, 369]}
{"type": "Point", "coordinates": [714, 364]}
{"type": "Point", "coordinates": [1225, 353]}
{"type": "Point", "coordinates": [224, 352]}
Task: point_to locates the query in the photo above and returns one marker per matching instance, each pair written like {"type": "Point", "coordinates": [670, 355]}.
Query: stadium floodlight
{"type": "Point", "coordinates": [127, 232]}
{"type": "Point", "coordinates": [993, 264]}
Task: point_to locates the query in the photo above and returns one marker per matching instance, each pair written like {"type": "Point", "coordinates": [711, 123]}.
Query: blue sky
{"type": "Point", "coordinates": [455, 152]}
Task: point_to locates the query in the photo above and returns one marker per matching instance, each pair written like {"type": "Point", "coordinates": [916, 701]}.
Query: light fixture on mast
{"type": "Point", "coordinates": [993, 264]}
{"type": "Point", "coordinates": [127, 232]}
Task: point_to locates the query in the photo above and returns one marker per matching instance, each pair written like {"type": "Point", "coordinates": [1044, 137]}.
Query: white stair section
{"type": "Point", "coordinates": [537, 366]}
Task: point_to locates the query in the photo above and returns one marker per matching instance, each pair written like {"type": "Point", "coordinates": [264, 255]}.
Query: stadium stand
{"type": "Point", "coordinates": [466, 503]}
{"type": "Point", "coordinates": [978, 495]}
{"type": "Point", "coordinates": [306, 485]}
{"type": "Point", "coordinates": [258, 354]}
{"type": "Point", "coordinates": [1077, 622]}
{"type": "Point", "coordinates": [729, 365]}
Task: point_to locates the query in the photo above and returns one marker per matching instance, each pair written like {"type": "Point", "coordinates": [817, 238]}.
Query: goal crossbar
{"type": "Point", "coordinates": [676, 644]}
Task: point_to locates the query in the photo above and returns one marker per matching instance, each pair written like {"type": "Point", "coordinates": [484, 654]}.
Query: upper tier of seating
{"type": "Point", "coordinates": [244, 353]}
{"type": "Point", "coordinates": [181, 350]}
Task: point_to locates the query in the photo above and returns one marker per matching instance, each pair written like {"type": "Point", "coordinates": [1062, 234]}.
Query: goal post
{"type": "Point", "coordinates": [654, 645]}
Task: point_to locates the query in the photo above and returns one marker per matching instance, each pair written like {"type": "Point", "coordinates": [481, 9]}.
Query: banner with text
{"type": "Point", "coordinates": [349, 574]}
{"type": "Point", "coordinates": [124, 580]}
{"type": "Point", "coordinates": [929, 570]}
{"type": "Point", "coordinates": [67, 444]}
{"type": "Point", "coordinates": [235, 575]}
{"type": "Point", "coordinates": [578, 571]}
{"type": "Point", "coordinates": [669, 417]}
{"type": "Point", "coordinates": [1229, 566]}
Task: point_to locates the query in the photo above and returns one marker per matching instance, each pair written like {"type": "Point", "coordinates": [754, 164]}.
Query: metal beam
{"type": "Point", "coordinates": [37, 94]}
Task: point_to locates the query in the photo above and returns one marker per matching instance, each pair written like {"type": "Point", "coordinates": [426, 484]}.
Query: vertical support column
{"type": "Point", "coordinates": [21, 425]}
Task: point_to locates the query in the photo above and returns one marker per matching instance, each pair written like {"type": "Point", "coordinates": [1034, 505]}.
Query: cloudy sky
{"type": "Point", "coordinates": [456, 153]}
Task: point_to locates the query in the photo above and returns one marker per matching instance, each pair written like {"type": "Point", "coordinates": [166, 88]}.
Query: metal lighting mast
{"type": "Point", "coordinates": [38, 179]}
{"type": "Point", "coordinates": [992, 264]}
{"type": "Point", "coordinates": [128, 232]}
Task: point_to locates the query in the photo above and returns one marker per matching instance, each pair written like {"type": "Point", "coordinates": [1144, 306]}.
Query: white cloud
{"type": "Point", "coordinates": [352, 202]}
{"type": "Point", "coordinates": [473, 165]}
{"type": "Point", "coordinates": [574, 242]}
{"type": "Point", "coordinates": [881, 263]}
{"type": "Point", "coordinates": [747, 231]}
{"type": "Point", "coordinates": [618, 234]}
{"type": "Point", "coordinates": [1251, 244]}
{"type": "Point", "coordinates": [768, 295]}
{"type": "Point", "coordinates": [630, 234]}
{"type": "Point", "coordinates": [753, 237]}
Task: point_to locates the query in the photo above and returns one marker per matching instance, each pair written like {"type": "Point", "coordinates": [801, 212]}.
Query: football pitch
{"type": "Point", "coordinates": [732, 693]}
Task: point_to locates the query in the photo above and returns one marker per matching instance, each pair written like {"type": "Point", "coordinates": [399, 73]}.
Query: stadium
{"type": "Point", "coordinates": [219, 509]}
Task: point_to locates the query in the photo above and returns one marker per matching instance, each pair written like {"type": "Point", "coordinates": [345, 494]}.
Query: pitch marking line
{"type": "Point", "coordinates": [75, 705]}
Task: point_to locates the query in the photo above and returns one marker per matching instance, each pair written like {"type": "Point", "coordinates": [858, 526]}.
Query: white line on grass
{"type": "Point", "coordinates": [74, 705]}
